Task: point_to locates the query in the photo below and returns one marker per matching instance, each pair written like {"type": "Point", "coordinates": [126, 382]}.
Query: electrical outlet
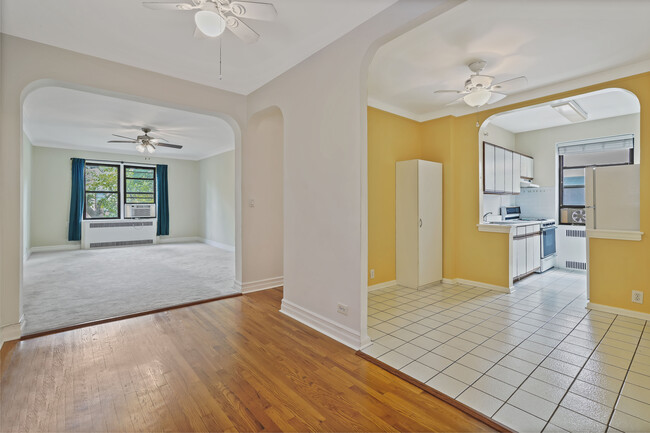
{"type": "Point", "coordinates": [342, 309]}
{"type": "Point", "coordinates": [637, 297]}
{"type": "Point", "coordinates": [372, 273]}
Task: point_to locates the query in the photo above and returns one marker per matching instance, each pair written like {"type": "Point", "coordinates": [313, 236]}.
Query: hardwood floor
{"type": "Point", "coordinates": [234, 364]}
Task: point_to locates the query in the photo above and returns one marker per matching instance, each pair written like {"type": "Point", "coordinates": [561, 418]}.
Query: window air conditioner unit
{"type": "Point", "coordinates": [140, 211]}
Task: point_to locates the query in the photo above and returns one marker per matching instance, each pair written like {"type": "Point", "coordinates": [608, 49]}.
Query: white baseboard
{"type": "Point", "coordinates": [11, 332]}
{"type": "Point", "coordinates": [218, 245]}
{"type": "Point", "coordinates": [237, 286]}
{"type": "Point", "coordinates": [477, 284]}
{"type": "Point", "coordinates": [619, 311]}
{"type": "Point", "coordinates": [340, 333]}
{"type": "Point", "coordinates": [168, 240]}
{"type": "Point", "coordinates": [49, 248]}
{"type": "Point", "coordinates": [256, 286]}
{"type": "Point", "coordinates": [382, 285]}
{"type": "Point", "coordinates": [27, 255]}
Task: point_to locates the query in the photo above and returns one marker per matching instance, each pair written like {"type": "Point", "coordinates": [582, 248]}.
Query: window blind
{"type": "Point", "coordinates": [625, 141]}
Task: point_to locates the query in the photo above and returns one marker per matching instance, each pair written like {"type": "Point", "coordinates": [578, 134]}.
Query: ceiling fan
{"type": "Point", "coordinates": [145, 142]}
{"type": "Point", "coordinates": [481, 89]}
{"type": "Point", "coordinates": [213, 16]}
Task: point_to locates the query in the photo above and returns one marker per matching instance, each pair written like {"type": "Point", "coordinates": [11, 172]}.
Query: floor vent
{"type": "Point", "coordinates": [120, 243]}
{"type": "Point", "coordinates": [576, 233]}
{"type": "Point", "coordinates": [576, 265]}
{"type": "Point", "coordinates": [121, 224]}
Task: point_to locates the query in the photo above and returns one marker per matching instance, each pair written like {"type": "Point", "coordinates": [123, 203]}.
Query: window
{"type": "Point", "coordinates": [574, 158]}
{"type": "Point", "coordinates": [102, 191]}
{"type": "Point", "coordinates": [139, 185]}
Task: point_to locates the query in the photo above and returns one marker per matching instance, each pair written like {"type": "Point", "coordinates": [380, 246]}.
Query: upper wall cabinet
{"type": "Point", "coordinates": [503, 169]}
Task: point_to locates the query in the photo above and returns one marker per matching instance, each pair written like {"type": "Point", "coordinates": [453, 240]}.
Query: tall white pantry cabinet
{"type": "Point", "coordinates": [418, 222]}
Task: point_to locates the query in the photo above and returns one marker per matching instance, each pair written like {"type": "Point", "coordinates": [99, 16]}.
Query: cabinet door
{"type": "Point", "coordinates": [507, 173]}
{"type": "Point", "coordinates": [530, 253]}
{"type": "Point", "coordinates": [499, 169]}
{"type": "Point", "coordinates": [516, 173]}
{"type": "Point", "coordinates": [520, 254]}
{"type": "Point", "coordinates": [531, 165]}
{"type": "Point", "coordinates": [537, 253]}
{"type": "Point", "coordinates": [488, 168]}
{"type": "Point", "coordinates": [429, 222]}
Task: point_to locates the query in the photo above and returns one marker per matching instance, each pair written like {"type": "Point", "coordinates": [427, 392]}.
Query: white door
{"type": "Point", "coordinates": [406, 223]}
{"type": "Point", "coordinates": [537, 251]}
{"type": "Point", "coordinates": [488, 168]}
{"type": "Point", "coordinates": [520, 251]}
{"type": "Point", "coordinates": [430, 222]}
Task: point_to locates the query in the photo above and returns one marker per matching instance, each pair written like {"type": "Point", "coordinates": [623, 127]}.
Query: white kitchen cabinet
{"type": "Point", "coordinates": [526, 167]}
{"type": "Point", "coordinates": [488, 168]}
{"type": "Point", "coordinates": [526, 250]}
{"type": "Point", "coordinates": [499, 169]}
{"type": "Point", "coordinates": [503, 169]}
{"type": "Point", "coordinates": [516, 173]}
{"type": "Point", "coordinates": [508, 172]}
{"type": "Point", "coordinates": [418, 223]}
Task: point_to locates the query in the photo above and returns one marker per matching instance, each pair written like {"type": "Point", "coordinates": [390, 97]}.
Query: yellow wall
{"type": "Point", "coordinates": [616, 267]}
{"type": "Point", "coordinates": [391, 138]}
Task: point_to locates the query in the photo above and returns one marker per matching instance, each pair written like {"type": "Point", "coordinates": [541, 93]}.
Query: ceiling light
{"type": "Point", "coordinates": [571, 110]}
{"type": "Point", "coordinates": [139, 148]}
{"type": "Point", "coordinates": [150, 148]}
{"type": "Point", "coordinates": [210, 23]}
{"type": "Point", "coordinates": [477, 97]}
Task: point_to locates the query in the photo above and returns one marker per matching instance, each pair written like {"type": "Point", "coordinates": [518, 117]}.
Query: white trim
{"type": "Point", "coordinates": [27, 255]}
{"type": "Point", "coordinates": [219, 245]}
{"type": "Point", "coordinates": [11, 332]}
{"type": "Point", "coordinates": [237, 286]}
{"type": "Point", "coordinates": [494, 228]}
{"type": "Point", "coordinates": [623, 235]}
{"type": "Point", "coordinates": [174, 240]}
{"type": "Point", "coordinates": [619, 311]}
{"type": "Point", "coordinates": [48, 248]}
{"type": "Point", "coordinates": [477, 284]}
{"type": "Point", "coordinates": [389, 108]}
{"type": "Point", "coordinates": [338, 332]}
{"type": "Point", "coordinates": [256, 286]}
{"type": "Point", "coordinates": [382, 285]}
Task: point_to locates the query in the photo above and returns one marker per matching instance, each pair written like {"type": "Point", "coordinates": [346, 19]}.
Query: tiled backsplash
{"type": "Point", "coordinates": [537, 202]}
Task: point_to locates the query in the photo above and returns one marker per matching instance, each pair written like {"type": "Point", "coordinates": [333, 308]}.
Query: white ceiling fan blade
{"type": "Point", "coordinates": [169, 6]}
{"type": "Point", "coordinates": [456, 101]}
{"type": "Point", "coordinates": [198, 34]}
{"type": "Point", "coordinates": [448, 91]}
{"type": "Point", "coordinates": [254, 10]}
{"type": "Point", "coordinates": [511, 85]}
{"type": "Point", "coordinates": [241, 30]}
{"type": "Point", "coordinates": [496, 97]}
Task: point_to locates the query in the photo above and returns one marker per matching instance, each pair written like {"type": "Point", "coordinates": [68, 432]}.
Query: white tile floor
{"type": "Point", "coordinates": [534, 360]}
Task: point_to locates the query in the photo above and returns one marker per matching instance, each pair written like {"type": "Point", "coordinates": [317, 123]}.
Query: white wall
{"type": "Point", "coordinates": [24, 66]}
{"type": "Point", "coordinates": [263, 154]}
{"type": "Point", "coordinates": [324, 103]}
{"type": "Point", "coordinates": [217, 198]}
{"type": "Point", "coordinates": [26, 194]}
{"type": "Point", "coordinates": [50, 198]}
{"type": "Point", "coordinates": [541, 144]}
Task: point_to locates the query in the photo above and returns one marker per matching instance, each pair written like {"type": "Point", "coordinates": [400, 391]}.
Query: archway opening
{"type": "Point", "coordinates": [154, 229]}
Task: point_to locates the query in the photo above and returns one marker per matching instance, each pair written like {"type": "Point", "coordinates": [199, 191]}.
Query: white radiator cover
{"type": "Point", "coordinates": [571, 247]}
{"type": "Point", "coordinates": [117, 233]}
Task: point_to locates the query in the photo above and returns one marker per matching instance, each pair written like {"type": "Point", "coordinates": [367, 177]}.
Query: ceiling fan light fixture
{"type": "Point", "coordinates": [210, 23]}
{"type": "Point", "coordinates": [477, 97]}
{"type": "Point", "coordinates": [150, 148]}
{"type": "Point", "coordinates": [139, 148]}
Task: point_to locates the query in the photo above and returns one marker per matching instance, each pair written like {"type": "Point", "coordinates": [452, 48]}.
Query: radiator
{"type": "Point", "coordinates": [105, 234]}
{"type": "Point", "coordinates": [571, 247]}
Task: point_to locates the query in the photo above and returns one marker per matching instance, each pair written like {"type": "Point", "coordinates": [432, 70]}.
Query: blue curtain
{"type": "Point", "coordinates": [162, 211]}
{"type": "Point", "coordinates": [76, 199]}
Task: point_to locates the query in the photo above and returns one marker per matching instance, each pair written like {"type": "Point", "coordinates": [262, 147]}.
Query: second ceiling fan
{"type": "Point", "coordinates": [212, 17]}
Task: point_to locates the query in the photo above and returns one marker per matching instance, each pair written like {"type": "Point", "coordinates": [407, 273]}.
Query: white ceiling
{"type": "Point", "coordinates": [598, 105]}
{"type": "Point", "coordinates": [162, 41]}
{"type": "Point", "coordinates": [548, 41]}
{"type": "Point", "coordinates": [73, 119]}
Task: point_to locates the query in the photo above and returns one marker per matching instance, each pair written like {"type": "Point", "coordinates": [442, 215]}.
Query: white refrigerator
{"type": "Point", "coordinates": [612, 198]}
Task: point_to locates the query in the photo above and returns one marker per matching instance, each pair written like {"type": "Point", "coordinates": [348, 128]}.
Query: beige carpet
{"type": "Point", "coordinates": [67, 288]}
